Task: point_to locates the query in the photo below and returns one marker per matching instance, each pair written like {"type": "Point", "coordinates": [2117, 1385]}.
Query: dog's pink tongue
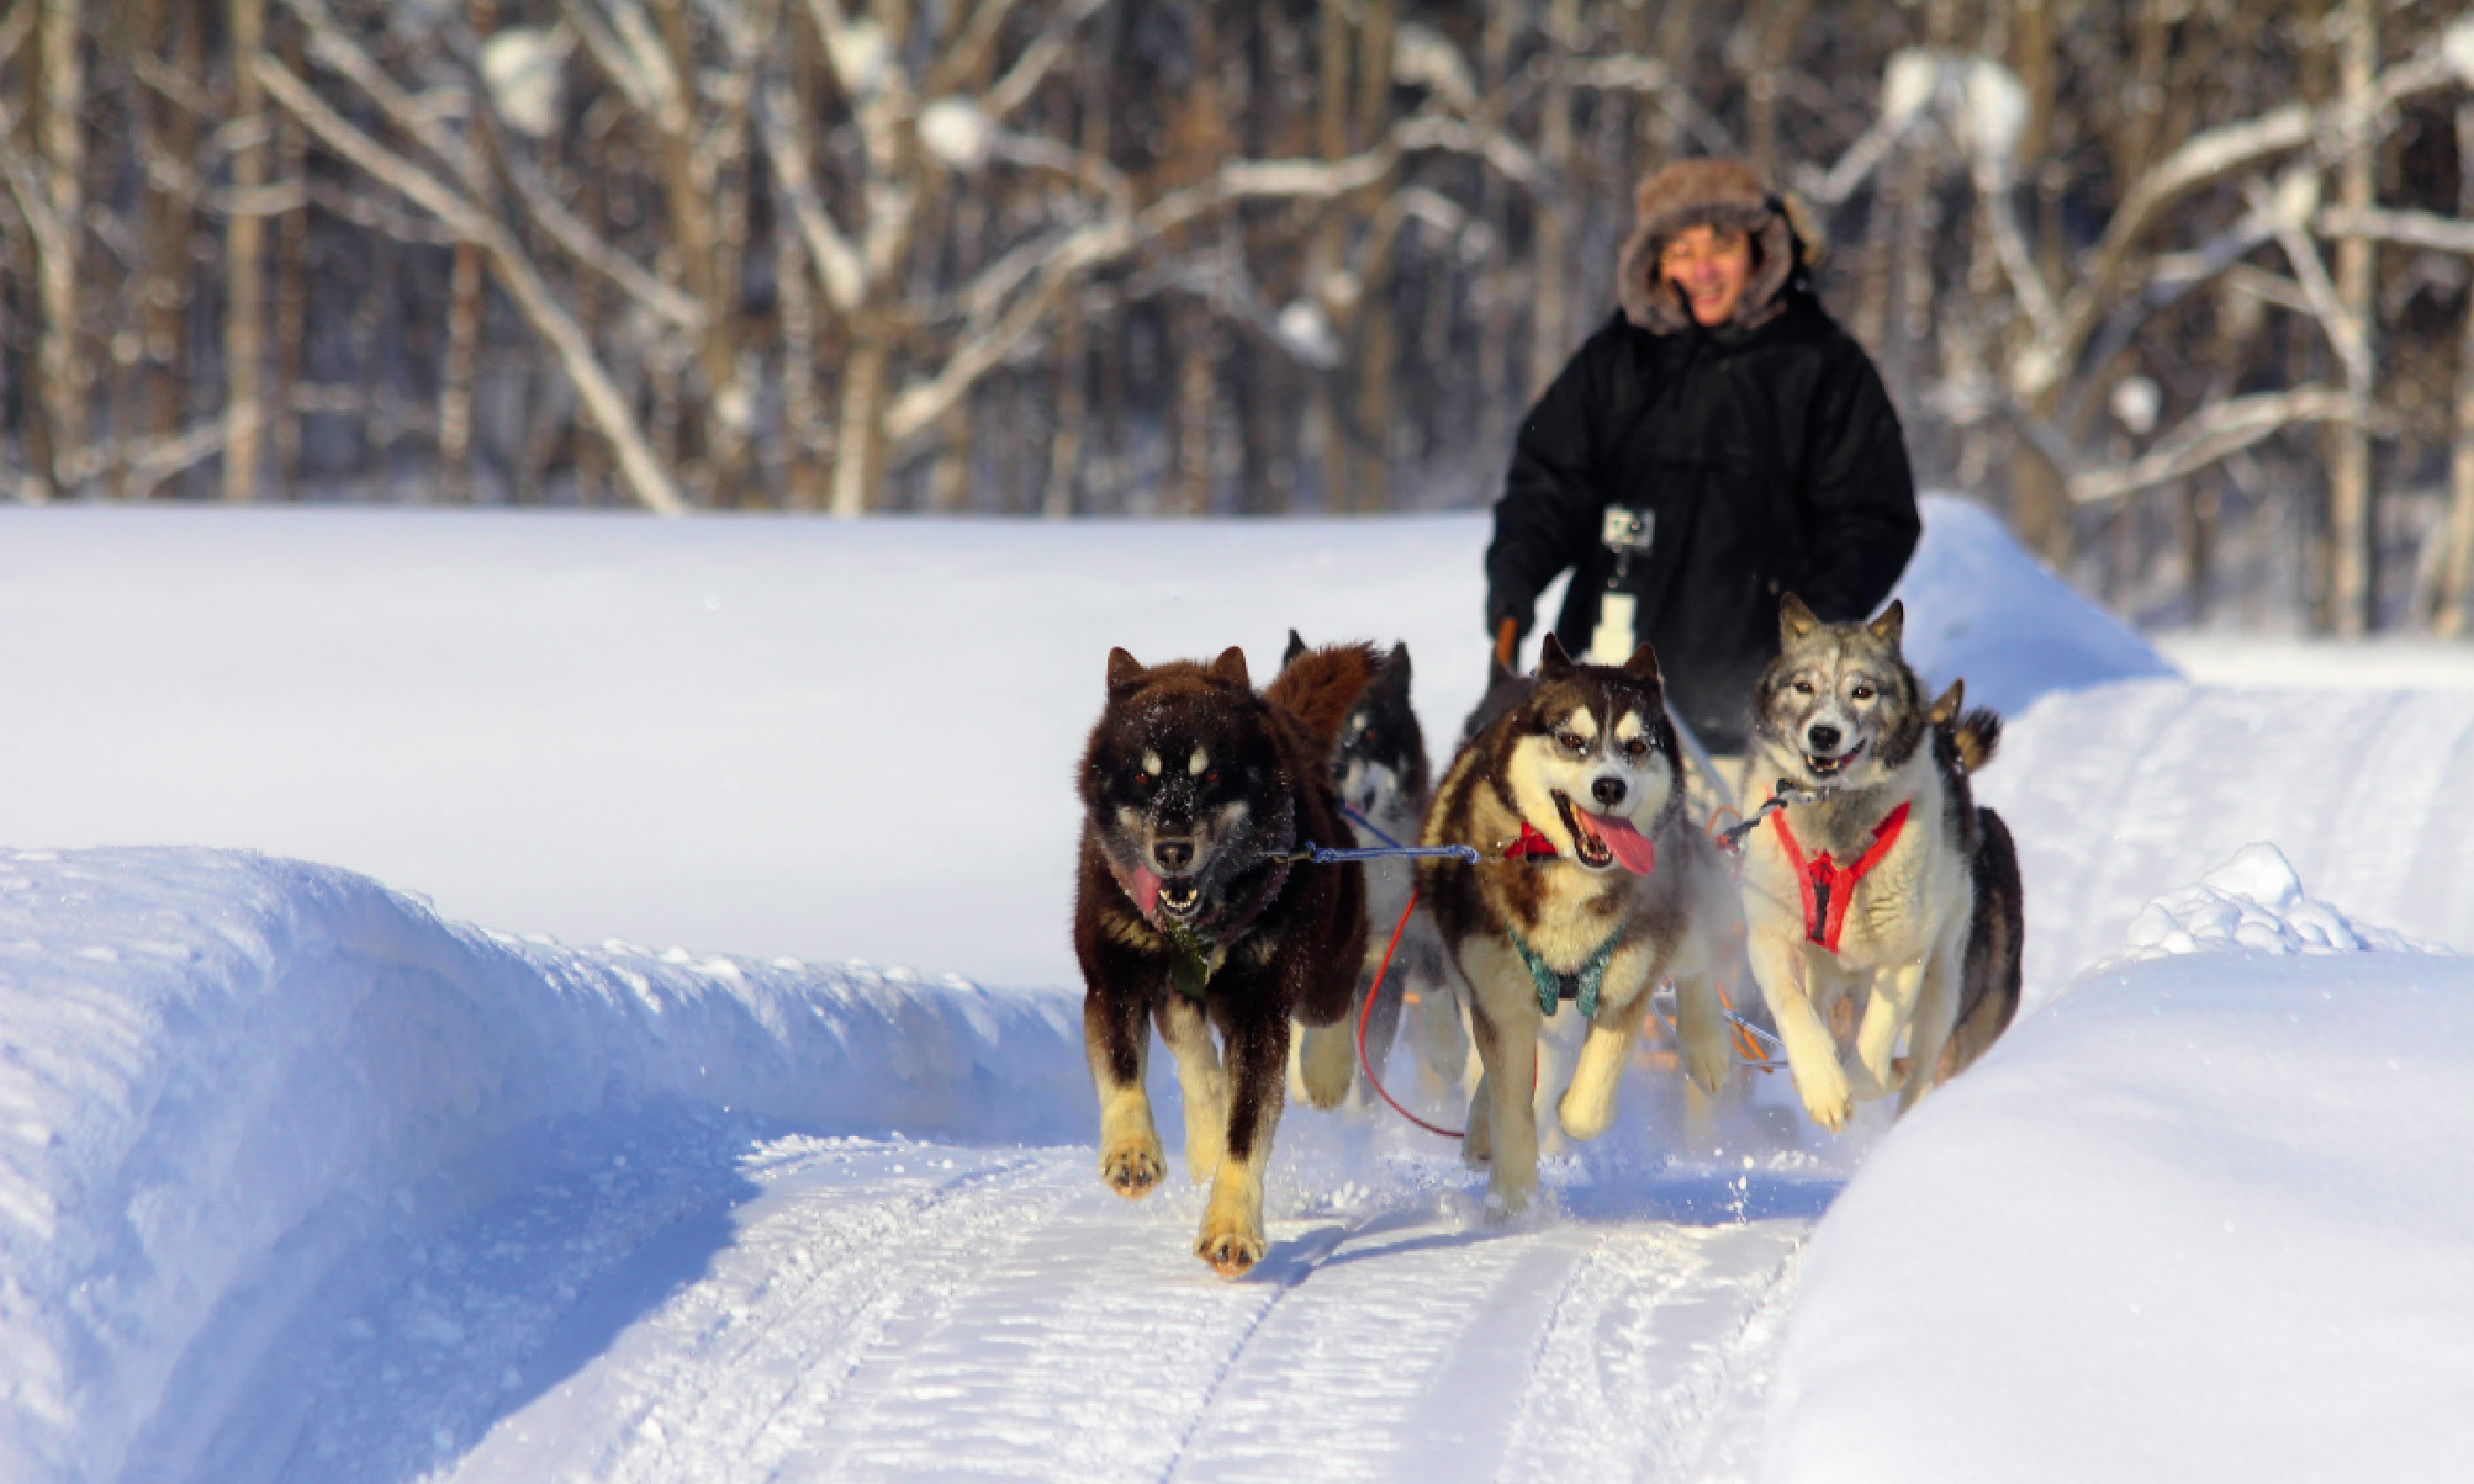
{"type": "Point", "coordinates": [1634, 851]}
{"type": "Point", "coordinates": [1147, 885]}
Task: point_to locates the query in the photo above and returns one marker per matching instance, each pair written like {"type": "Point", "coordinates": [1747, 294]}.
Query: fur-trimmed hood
{"type": "Point", "coordinates": [1717, 193]}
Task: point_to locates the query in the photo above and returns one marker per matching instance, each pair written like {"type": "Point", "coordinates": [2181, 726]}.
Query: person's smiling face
{"type": "Point", "coordinates": [1708, 266]}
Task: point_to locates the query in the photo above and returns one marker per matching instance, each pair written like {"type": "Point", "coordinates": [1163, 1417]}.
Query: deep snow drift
{"type": "Point", "coordinates": [233, 1085]}
{"type": "Point", "coordinates": [2206, 1216]}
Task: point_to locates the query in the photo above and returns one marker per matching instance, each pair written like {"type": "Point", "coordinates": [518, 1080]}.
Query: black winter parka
{"type": "Point", "coordinates": [1773, 463]}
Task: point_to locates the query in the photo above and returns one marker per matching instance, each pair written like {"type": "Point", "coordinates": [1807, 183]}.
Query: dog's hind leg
{"type": "Point", "coordinates": [1897, 991]}
{"type": "Point", "coordinates": [1507, 1042]}
{"type": "Point", "coordinates": [1327, 1060]}
{"type": "Point", "coordinates": [1199, 1076]}
{"type": "Point", "coordinates": [1118, 1043]}
{"type": "Point", "coordinates": [1786, 977]}
{"type": "Point", "coordinates": [1231, 1239]}
{"type": "Point", "coordinates": [1936, 1008]}
{"type": "Point", "coordinates": [1443, 1041]}
{"type": "Point", "coordinates": [1701, 1041]}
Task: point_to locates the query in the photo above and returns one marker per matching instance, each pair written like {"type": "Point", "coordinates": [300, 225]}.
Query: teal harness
{"type": "Point", "coordinates": [1580, 987]}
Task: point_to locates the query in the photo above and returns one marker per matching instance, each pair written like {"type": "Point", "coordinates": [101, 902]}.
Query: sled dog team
{"type": "Point", "coordinates": [1876, 900]}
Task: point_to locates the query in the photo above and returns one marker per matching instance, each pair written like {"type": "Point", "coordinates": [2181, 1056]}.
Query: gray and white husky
{"type": "Point", "coordinates": [1611, 889]}
{"type": "Point", "coordinates": [1881, 902]}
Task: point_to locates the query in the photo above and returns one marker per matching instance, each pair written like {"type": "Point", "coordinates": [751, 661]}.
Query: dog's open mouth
{"type": "Point", "coordinates": [1589, 839]}
{"type": "Point", "coordinates": [1821, 767]}
{"type": "Point", "coordinates": [1603, 840]}
{"type": "Point", "coordinates": [1180, 897]}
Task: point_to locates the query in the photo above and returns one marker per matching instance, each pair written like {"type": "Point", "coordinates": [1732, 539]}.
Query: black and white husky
{"type": "Point", "coordinates": [1611, 887]}
{"type": "Point", "coordinates": [1881, 902]}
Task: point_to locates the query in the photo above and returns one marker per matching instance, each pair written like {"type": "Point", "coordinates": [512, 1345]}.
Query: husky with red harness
{"type": "Point", "coordinates": [1880, 902]}
{"type": "Point", "coordinates": [1594, 885]}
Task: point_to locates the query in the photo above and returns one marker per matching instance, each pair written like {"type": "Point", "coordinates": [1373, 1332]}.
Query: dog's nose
{"type": "Point", "coordinates": [1608, 791]}
{"type": "Point", "coordinates": [1173, 855]}
{"type": "Point", "coordinates": [1824, 738]}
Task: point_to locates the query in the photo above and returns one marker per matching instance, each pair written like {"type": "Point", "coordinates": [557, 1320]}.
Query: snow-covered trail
{"type": "Point", "coordinates": [862, 1309]}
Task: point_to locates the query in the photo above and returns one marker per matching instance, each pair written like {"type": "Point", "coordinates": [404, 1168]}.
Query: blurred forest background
{"type": "Point", "coordinates": [2185, 288]}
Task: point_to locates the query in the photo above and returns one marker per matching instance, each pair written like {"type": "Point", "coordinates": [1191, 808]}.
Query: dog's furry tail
{"type": "Point", "coordinates": [1978, 734]}
{"type": "Point", "coordinates": [1318, 686]}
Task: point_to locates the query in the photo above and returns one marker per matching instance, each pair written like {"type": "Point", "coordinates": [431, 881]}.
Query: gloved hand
{"type": "Point", "coordinates": [1507, 600]}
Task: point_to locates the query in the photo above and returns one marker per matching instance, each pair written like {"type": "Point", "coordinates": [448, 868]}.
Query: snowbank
{"type": "Point", "coordinates": [1981, 609]}
{"type": "Point", "coordinates": [761, 735]}
{"type": "Point", "coordinates": [2205, 1216]}
{"type": "Point", "coordinates": [221, 1070]}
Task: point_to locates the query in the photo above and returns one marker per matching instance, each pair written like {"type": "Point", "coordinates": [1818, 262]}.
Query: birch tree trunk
{"type": "Point", "coordinates": [1496, 391]}
{"type": "Point", "coordinates": [463, 323]}
{"type": "Point", "coordinates": [2040, 508]}
{"type": "Point", "coordinates": [1189, 492]}
{"type": "Point", "coordinates": [1324, 259]}
{"type": "Point", "coordinates": [2353, 592]}
{"type": "Point", "coordinates": [1550, 334]}
{"type": "Point", "coordinates": [60, 368]}
{"type": "Point", "coordinates": [2455, 594]}
{"type": "Point", "coordinates": [1371, 487]}
{"type": "Point", "coordinates": [859, 440]}
{"type": "Point", "coordinates": [291, 293]}
{"type": "Point", "coordinates": [244, 266]}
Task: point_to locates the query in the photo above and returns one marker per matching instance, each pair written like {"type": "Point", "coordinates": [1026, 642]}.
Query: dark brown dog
{"type": "Point", "coordinates": [1196, 793]}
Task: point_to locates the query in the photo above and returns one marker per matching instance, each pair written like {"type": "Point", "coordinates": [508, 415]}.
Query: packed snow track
{"type": "Point", "coordinates": [912, 1310]}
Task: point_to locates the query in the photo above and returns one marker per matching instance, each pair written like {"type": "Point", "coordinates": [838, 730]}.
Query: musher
{"type": "Point", "coordinates": [1718, 441]}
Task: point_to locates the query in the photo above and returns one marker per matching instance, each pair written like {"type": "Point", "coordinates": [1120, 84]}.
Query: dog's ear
{"type": "Point", "coordinates": [1296, 647]}
{"type": "Point", "coordinates": [1231, 667]}
{"type": "Point", "coordinates": [1643, 664]}
{"type": "Point", "coordinates": [1795, 620]}
{"type": "Point", "coordinates": [1125, 671]}
{"type": "Point", "coordinates": [1945, 710]}
{"type": "Point", "coordinates": [1395, 670]}
{"type": "Point", "coordinates": [1892, 623]}
{"type": "Point", "coordinates": [1552, 663]}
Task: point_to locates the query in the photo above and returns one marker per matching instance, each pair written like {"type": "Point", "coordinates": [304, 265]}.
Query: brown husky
{"type": "Point", "coordinates": [1190, 911]}
{"type": "Point", "coordinates": [1612, 888]}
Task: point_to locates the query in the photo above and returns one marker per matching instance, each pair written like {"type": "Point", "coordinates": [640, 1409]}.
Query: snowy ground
{"type": "Point", "coordinates": [305, 1180]}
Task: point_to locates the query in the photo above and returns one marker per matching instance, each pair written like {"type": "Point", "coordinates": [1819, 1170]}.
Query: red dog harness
{"type": "Point", "coordinates": [1828, 886]}
{"type": "Point", "coordinates": [1533, 842]}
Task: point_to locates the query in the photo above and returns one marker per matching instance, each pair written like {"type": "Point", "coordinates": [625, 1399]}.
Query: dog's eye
{"type": "Point", "coordinates": [1572, 740]}
{"type": "Point", "coordinates": [1861, 693]}
{"type": "Point", "coordinates": [1144, 780]}
{"type": "Point", "coordinates": [1367, 737]}
{"type": "Point", "coordinates": [1803, 687]}
{"type": "Point", "coordinates": [1634, 747]}
{"type": "Point", "coordinates": [1213, 776]}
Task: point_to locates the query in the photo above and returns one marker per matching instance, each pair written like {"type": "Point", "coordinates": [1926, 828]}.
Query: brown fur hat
{"type": "Point", "coordinates": [1697, 193]}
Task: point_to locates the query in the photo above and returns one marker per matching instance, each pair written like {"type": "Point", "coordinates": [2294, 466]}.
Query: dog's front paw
{"type": "Point", "coordinates": [1231, 1248]}
{"type": "Point", "coordinates": [1133, 1167]}
{"type": "Point", "coordinates": [1584, 1119]}
{"type": "Point", "coordinates": [1507, 1198]}
{"type": "Point", "coordinates": [1825, 1092]}
{"type": "Point", "coordinates": [1327, 1063]}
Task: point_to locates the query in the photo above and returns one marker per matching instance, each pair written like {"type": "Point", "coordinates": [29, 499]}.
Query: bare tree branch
{"type": "Point", "coordinates": [2212, 433]}
{"type": "Point", "coordinates": [646, 477]}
